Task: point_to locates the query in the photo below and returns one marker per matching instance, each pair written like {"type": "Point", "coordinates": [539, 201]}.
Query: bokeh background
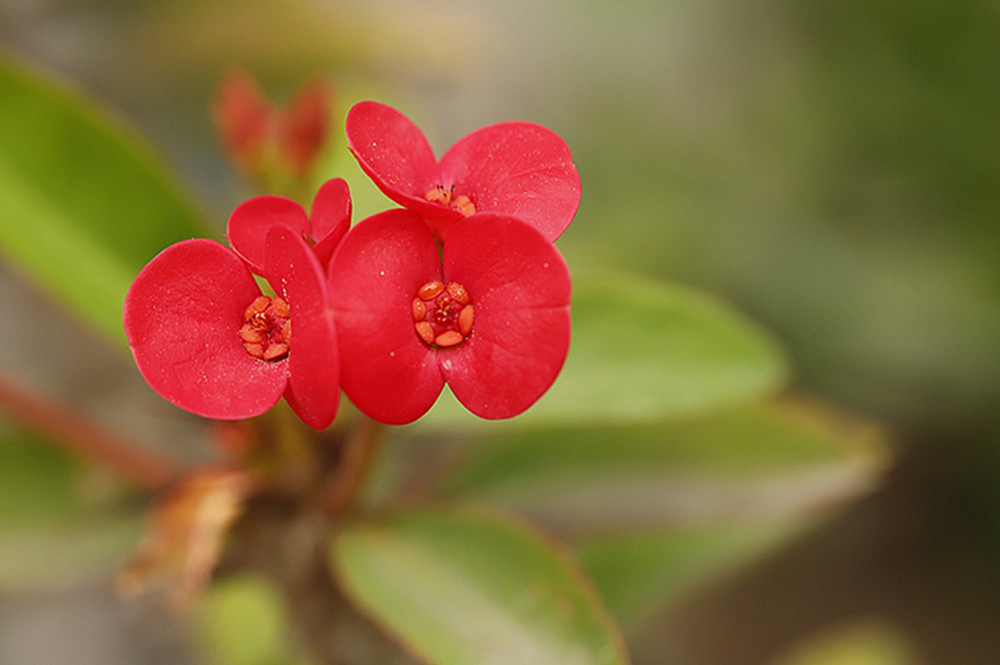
{"type": "Point", "coordinates": [831, 168]}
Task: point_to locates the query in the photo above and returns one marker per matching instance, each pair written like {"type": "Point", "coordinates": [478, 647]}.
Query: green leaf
{"type": "Point", "coordinates": [36, 483]}
{"type": "Point", "coordinates": [244, 621]}
{"type": "Point", "coordinates": [861, 642]}
{"type": "Point", "coordinates": [67, 554]}
{"type": "Point", "coordinates": [465, 587]}
{"type": "Point", "coordinates": [60, 521]}
{"type": "Point", "coordinates": [644, 350]}
{"type": "Point", "coordinates": [760, 460]}
{"type": "Point", "coordinates": [86, 202]}
{"type": "Point", "coordinates": [642, 573]}
{"type": "Point", "coordinates": [653, 511]}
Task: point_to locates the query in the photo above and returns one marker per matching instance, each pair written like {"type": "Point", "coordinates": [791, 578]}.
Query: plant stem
{"type": "Point", "coordinates": [356, 459]}
{"type": "Point", "coordinates": [80, 434]}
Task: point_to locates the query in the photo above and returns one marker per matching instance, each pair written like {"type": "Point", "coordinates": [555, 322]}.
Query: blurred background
{"type": "Point", "coordinates": [830, 168]}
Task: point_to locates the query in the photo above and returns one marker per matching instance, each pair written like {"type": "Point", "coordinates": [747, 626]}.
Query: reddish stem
{"type": "Point", "coordinates": [82, 435]}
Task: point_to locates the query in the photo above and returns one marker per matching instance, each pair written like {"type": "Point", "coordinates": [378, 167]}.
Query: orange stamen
{"type": "Point", "coordinates": [442, 315]}
{"type": "Point", "coordinates": [425, 330]}
{"type": "Point", "coordinates": [458, 293]}
{"type": "Point", "coordinates": [419, 309]}
{"type": "Point", "coordinates": [449, 338]}
{"type": "Point", "coordinates": [446, 196]}
{"type": "Point", "coordinates": [430, 290]}
{"type": "Point", "coordinates": [465, 319]}
{"type": "Point", "coordinates": [275, 351]}
{"type": "Point", "coordinates": [266, 330]}
{"type": "Point", "coordinates": [281, 307]}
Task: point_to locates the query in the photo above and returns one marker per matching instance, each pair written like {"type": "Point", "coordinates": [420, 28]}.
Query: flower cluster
{"type": "Point", "coordinates": [462, 285]}
{"type": "Point", "coordinates": [262, 138]}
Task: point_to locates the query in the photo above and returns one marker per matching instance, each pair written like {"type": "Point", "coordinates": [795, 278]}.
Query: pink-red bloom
{"type": "Point", "coordinates": [206, 339]}
{"type": "Point", "coordinates": [322, 229]}
{"type": "Point", "coordinates": [519, 169]}
{"type": "Point", "coordinates": [463, 286]}
{"type": "Point", "coordinates": [260, 136]}
{"type": "Point", "coordinates": [489, 314]}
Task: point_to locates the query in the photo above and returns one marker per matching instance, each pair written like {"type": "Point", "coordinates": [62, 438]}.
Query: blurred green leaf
{"type": "Point", "coordinates": [36, 483]}
{"type": "Point", "coordinates": [862, 642]}
{"type": "Point", "coordinates": [644, 350]}
{"type": "Point", "coordinates": [469, 587]}
{"type": "Point", "coordinates": [655, 510]}
{"type": "Point", "coordinates": [745, 461]}
{"type": "Point", "coordinates": [66, 554]}
{"type": "Point", "coordinates": [60, 521]}
{"type": "Point", "coordinates": [86, 202]}
{"type": "Point", "coordinates": [641, 573]}
{"type": "Point", "coordinates": [244, 621]}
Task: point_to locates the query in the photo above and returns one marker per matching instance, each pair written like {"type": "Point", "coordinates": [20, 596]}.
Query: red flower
{"type": "Point", "coordinates": [207, 340]}
{"type": "Point", "coordinates": [260, 136]}
{"type": "Point", "coordinates": [489, 315]}
{"type": "Point", "coordinates": [323, 229]}
{"type": "Point", "coordinates": [242, 115]}
{"type": "Point", "coordinates": [519, 169]}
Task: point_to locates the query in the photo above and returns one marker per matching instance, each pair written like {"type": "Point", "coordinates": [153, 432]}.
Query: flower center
{"type": "Point", "coordinates": [443, 314]}
{"type": "Point", "coordinates": [267, 331]}
{"type": "Point", "coordinates": [446, 197]}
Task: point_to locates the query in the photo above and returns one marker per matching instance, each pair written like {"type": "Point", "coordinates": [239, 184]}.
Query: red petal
{"type": "Point", "coordinates": [250, 221]}
{"type": "Point", "coordinates": [520, 288]}
{"type": "Point", "coordinates": [313, 360]}
{"type": "Point", "coordinates": [517, 168]}
{"type": "Point", "coordinates": [386, 370]}
{"type": "Point", "coordinates": [330, 218]}
{"type": "Point", "coordinates": [182, 318]}
{"type": "Point", "coordinates": [396, 156]}
{"type": "Point", "coordinates": [241, 115]}
{"type": "Point", "coordinates": [306, 126]}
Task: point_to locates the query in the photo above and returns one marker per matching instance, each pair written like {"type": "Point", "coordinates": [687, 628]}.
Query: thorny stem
{"type": "Point", "coordinates": [358, 453]}
{"type": "Point", "coordinates": [82, 435]}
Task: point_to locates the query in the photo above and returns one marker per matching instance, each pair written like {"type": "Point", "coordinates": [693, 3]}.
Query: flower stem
{"type": "Point", "coordinates": [356, 459]}
{"type": "Point", "coordinates": [80, 434]}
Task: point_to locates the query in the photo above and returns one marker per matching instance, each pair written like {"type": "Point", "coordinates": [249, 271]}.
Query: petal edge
{"type": "Point", "coordinates": [182, 318]}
